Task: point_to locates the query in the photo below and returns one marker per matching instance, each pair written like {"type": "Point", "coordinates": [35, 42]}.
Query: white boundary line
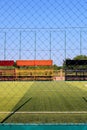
{"type": "Point", "coordinates": [44, 112]}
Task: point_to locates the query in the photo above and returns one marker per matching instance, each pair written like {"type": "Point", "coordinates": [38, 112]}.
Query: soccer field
{"type": "Point", "coordinates": [43, 102]}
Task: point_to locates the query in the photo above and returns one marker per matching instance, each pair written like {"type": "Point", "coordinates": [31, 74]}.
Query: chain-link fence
{"type": "Point", "coordinates": [43, 44]}
{"type": "Point", "coordinates": [43, 61]}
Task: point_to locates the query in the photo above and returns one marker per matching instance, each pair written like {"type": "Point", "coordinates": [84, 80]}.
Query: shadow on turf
{"type": "Point", "coordinates": [16, 110]}
{"type": "Point", "coordinates": [84, 99]}
{"type": "Point", "coordinates": [20, 105]}
{"type": "Point", "coordinates": [23, 101]}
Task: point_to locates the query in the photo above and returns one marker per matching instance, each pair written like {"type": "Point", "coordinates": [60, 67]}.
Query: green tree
{"type": "Point", "coordinates": [80, 57]}
{"type": "Point", "coordinates": [64, 63]}
{"type": "Point", "coordinates": [56, 67]}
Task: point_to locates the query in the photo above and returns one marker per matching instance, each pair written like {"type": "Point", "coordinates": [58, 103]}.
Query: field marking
{"type": "Point", "coordinates": [45, 112]}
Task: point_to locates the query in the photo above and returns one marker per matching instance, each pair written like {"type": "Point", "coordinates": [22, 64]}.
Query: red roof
{"type": "Point", "coordinates": [6, 62]}
{"type": "Point", "coordinates": [34, 62]}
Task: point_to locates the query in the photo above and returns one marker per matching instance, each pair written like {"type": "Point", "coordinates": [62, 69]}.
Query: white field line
{"type": "Point", "coordinates": [44, 112]}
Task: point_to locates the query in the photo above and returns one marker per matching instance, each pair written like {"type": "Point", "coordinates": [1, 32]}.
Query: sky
{"type": "Point", "coordinates": [29, 29]}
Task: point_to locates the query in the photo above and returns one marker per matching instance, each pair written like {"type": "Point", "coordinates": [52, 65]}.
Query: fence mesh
{"type": "Point", "coordinates": [43, 56]}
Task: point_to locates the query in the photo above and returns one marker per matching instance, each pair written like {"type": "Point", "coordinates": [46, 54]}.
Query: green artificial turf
{"type": "Point", "coordinates": [51, 96]}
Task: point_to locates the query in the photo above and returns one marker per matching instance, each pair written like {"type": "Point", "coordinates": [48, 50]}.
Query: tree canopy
{"type": "Point", "coordinates": [80, 57]}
